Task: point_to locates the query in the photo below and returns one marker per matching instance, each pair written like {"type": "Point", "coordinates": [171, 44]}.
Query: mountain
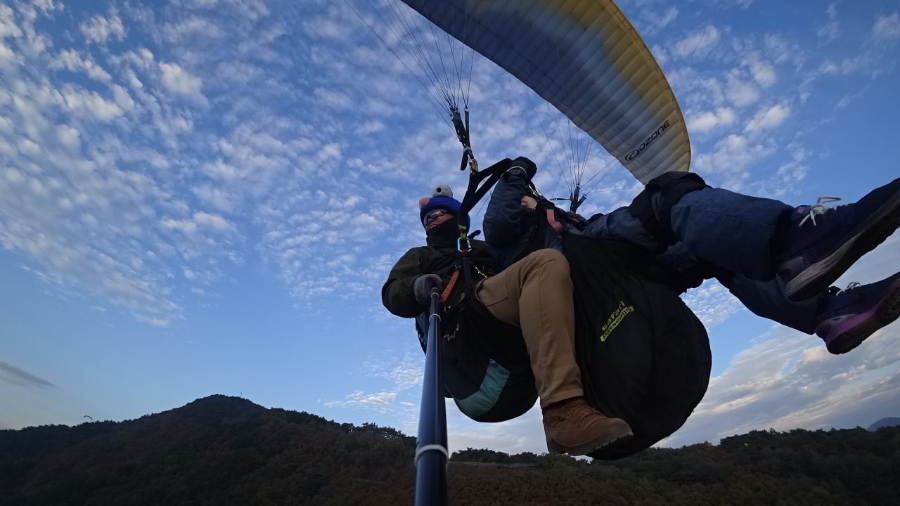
{"type": "Point", "coordinates": [215, 450]}
{"type": "Point", "coordinates": [884, 422]}
{"type": "Point", "coordinates": [225, 450]}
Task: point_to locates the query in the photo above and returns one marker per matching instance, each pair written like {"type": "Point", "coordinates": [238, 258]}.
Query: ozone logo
{"type": "Point", "coordinates": [644, 145]}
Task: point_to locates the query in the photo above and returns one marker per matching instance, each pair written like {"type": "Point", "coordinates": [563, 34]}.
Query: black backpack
{"type": "Point", "coordinates": [644, 355]}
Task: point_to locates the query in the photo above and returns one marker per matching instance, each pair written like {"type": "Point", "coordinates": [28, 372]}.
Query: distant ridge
{"type": "Point", "coordinates": [884, 422]}
{"type": "Point", "coordinates": [228, 450]}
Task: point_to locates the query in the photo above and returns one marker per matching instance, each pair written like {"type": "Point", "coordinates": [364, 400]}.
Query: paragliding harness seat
{"type": "Point", "coordinates": [644, 355]}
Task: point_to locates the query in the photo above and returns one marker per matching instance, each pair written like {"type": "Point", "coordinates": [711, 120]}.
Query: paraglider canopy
{"type": "Point", "coordinates": [586, 59]}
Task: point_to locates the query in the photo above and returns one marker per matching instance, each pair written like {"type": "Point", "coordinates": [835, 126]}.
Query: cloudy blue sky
{"type": "Point", "coordinates": [205, 196]}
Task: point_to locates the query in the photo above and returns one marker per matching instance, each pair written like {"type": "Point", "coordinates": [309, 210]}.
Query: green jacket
{"type": "Point", "coordinates": [485, 365]}
{"type": "Point", "coordinates": [439, 257]}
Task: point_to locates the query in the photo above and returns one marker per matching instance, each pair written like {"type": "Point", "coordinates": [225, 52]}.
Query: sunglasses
{"type": "Point", "coordinates": [433, 215]}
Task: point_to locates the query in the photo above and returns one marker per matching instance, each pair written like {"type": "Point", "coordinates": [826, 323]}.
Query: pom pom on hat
{"type": "Point", "coordinates": [443, 190]}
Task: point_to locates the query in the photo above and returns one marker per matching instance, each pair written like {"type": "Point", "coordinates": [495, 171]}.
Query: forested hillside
{"type": "Point", "coordinates": [224, 450]}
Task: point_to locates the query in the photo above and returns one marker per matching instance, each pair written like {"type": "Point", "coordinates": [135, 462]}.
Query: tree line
{"type": "Point", "coordinates": [225, 450]}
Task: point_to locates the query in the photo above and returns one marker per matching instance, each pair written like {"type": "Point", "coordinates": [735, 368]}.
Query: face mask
{"type": "Point", "coordinates": [446, 230]}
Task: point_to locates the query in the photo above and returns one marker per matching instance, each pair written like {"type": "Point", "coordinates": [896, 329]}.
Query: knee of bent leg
{"type": "Point", "coordinates": [652, 207]}
{"type": "Point", "coordinates": [552, 260]}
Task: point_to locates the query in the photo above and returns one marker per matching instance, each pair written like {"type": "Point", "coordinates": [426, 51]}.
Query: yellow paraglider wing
{"type": "Point", "coordinates": [585, 58]}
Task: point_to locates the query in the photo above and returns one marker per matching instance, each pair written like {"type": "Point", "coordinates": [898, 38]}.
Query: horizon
{"type": "Point", "coordinates": [894, 419]}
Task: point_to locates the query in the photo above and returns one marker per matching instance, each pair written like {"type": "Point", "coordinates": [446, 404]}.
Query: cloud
{"type": "Point", "coordinates": [712, 303]}
{"type": "Point", "coordinates": [80, 101]}
{"type": "Point", "coordinates": [195, 26]}
{"type": "Point", "coordinates": [763, 72]}
{"type": "Point", "coordinates": [221, 199]}
{"type": "Point", "coordinates": [177, 79]}
{"type": "Point", "coordinates": [8, 27]}
{"type": "Point", "coordinates": [334, 99]}
{"type": "Point", "coordinates": [100, 28]}
{"type": "Point", "coordinates": [667, 17]}
{"type": "Point", "coordinates": [709, 120]}
{"type": "Point", "coordinates": [381, 401]}
{"type": "Point", "coordinates": [7, 56]}
{"type": "Point", "coordinates": [404, 374]}
{"type": "Point", "coordinates": [81, 194]}
{"type": "Point", "coordinates": [768, 118]}
{"type": "Point", "coordinates": [698, 43]}
{"type": "Point", "coordinates": [202, 4]}
{"type": "Point", "coordinates": [779, 50]}
{"type": "Point", "coordinates": [830, 29]}
{"type": "Point", "coordinates": [788, 380]}
{"type": "Point", "coordinates": [655, 20]}
{"type": "Point", "coordinates": [18, 377]}
{"type": "Point", "coordinates": [785, 180]}
{"type": "Point", "coordinates": [212, 220]}
{"type": "Point", "coordinates": [74, 62]}
{"type": "Point", "coordinates": [729, 157]}
{"type": "Point", "coordinates": [872, 57]}
{"type": "Point", "coordinates": [740, 91]}
{"type": "Point", "coordinates": [887, 28]}
{"type": "Point", "coordinates": [522, 434]}
{"type": "Point", "coordinates": [251, 9]}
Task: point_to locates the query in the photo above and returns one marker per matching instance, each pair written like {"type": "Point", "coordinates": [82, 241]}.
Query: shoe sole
{"type": "Point", "coordinates": [854, 331]}
{"type": "Point", "coordinates": [589, 447]}
{"type": "Point", "coordinates": [816, 278]}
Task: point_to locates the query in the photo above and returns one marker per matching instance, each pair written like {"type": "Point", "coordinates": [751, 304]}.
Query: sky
{"type": "Point", "coordinates": [204, 197]}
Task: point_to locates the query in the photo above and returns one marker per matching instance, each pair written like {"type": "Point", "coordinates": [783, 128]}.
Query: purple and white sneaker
{"type": "Point", "coordinates": [824, 242]}
{"type": "Point", "coordinates": [852, 315]}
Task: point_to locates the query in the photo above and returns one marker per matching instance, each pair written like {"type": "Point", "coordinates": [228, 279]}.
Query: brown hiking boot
{"type": "Point", "coordinates": [573, 427]}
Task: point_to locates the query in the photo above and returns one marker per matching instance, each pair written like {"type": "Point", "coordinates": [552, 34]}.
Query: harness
{"type": "Point", "coordinates": [462, 279]}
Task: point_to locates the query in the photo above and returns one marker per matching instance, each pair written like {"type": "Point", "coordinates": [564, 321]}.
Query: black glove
{"type": "Point", "coordinates": [422, 287]}
{"type": "Point", "coordinates": [523, 166]}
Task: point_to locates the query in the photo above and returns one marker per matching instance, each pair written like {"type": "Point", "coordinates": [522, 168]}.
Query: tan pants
{"type": "Point", "coordinates": [535, 294]}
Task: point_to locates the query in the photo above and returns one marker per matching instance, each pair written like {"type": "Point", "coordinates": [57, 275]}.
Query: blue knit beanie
{"type": "Point", "coordinates": [442, 198]}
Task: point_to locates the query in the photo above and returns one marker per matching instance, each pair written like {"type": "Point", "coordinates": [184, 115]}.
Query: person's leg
{"type": "Point", "coordinates": [848, 317]}
{"type": "Point", "coordinates": [621, 224]}
{"type": "Point", "coordinates": [823, 242]}
{"type": "Point", "coordinates": [535, 294]}
{"type": "Point", "coordinates": [843, 319]}
{"type": "Point", "coordinates": [809, 247]}
{"type": "Point", "coordinates": [731, 231]}
{"type": "Point", "coordinates": [781, 259]}
{"type": "Point", "coordinates": [767, 299]}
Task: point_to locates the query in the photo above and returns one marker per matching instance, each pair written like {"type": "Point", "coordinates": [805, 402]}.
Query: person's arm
{"type": "Point", "coordinates": [397, 294]}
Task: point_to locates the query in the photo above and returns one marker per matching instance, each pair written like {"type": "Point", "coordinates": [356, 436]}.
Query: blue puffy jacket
{"type": "Point", "coordinates": [512, 231]}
